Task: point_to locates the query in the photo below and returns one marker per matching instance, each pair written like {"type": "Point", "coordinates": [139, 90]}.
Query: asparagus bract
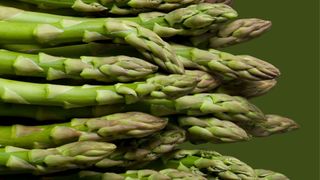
{"type": "Point", "coordinates": [112, 7]}
{"type": "Point", "coordinates": [43, 161]}
{"type": "Point", "coordinates": [209, 164]}
{"type": "Point", "coordinates": [209, 129]}
{"type": "Point", "coordinates": [207, 81]}
{"type": "Point", "coordinates": [263, 174]}
{"type": "Point", "coordinates": [231, 33]}
{"type": "Point", "coordinates": [107, 128]}
{"type": "Point", "coordinates": [228, 2]}
{"type": "Point", "coordinates": [144, 150]}
{"type": "Point", "coordinates": [247, 89]}
{"type": "Point", "coordinates": [159, 86]}
{"type": "Point", "coordinates": [105, 69]}
{"type": "Point", "coordinates": [144, 40]}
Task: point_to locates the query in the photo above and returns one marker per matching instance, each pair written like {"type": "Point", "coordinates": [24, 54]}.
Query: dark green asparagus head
{"type": "Point", "coordinates": [209, 129]}
{"type": "Point", "coordinates": [209, 164]}
{"type": "Point", "coordinates": [274, 124]}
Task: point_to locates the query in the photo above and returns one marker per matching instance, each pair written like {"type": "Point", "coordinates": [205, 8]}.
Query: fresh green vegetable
{"type": "Point", "coordinates": [107, 128]}
{"type": "Point", "coordinates": [231, 33]}
{"type": "Point", "coordinates": [76, 155]}
{"type": "Point", "coordinates": [192, 20]}
{"type": "Point", "coordinates": [263, 174]}
{"type": "Point", "coordinates": [105, 69]}
{"type": "Point", "coordinates": [159, 86]}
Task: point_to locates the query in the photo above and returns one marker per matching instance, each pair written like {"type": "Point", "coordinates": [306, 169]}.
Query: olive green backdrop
{"type": "Point", "coordinates": [292, 46]}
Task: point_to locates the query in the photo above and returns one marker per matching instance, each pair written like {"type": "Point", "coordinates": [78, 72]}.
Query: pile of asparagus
{"type": "Point", "coordinates": [100, 89]}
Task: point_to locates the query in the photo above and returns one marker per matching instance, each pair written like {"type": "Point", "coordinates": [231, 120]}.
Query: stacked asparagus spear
{"type": "Point", "coordinates": [107, 92]}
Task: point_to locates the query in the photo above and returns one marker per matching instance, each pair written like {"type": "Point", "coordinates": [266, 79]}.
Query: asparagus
{"type": "Point", "coordinates": [144, 40]}
{"type": "Point", "coordinates": [231, 33]}
{"type": "Point", "coordinates": [107, 128]}
{"type": "Point", "coordinates": [248, 89]}
{"type": "Point", "coordinates": [274, 124]}
{"type": "Point", "coordinates": [160, 86]}
{"type": "Point", "coordinates": [207, 81]}
{"type": "Point", "coordinates": [43, 161]}
{"type": "Point", "coordinates": [209, 129]}
{"type": "Point", "coordinates": [105, 69]}
{"type": "Point", "coordinates": [228, 2]}
{"type": "Point", "coordinates": [263, 174]}
{"type": "Point", "coordinates": [209, 164]}
{"type": "Point", "coordinates": [112, 7]}
{"type": "Point", "coordinates": [143, 150]}
{"type": "Point", "coordinates": [229, 66]}
{"type": "Point", "coordinates": [192, 20]}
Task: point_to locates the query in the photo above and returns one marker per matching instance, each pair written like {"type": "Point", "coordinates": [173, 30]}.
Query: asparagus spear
{"type": "Point", "coordinates": [207, 81]}
{"type": "Point", "coordinates": [274, 124]}
{"type": "Point", "coordinates": [107, 128]}
{"type": "Point", "coordinates": [112, 7]}
{"type": "Point", "coordinates": [229, 66]}
{"type": "Point", "coordinates": [231, 33]}
{"type": "Point", "coordinates": [105, 69]}
{"type": "Point", "coordinates": [228, 2]}
{"type": "Point", "coordinates": [248, 89]}
{"type": "Point", "coordinates": [263, 174]}
{"type": "Point", "coordinates": [209, 129]}
{"type": "Point", "coordinates": [144, 40]}
{"type": "Point", "coordinates": [143, 150]}
{"type": "Point", "coordinates": [192, 20]}
{"type": "Point", "coordinates": [159, 86]}
{"type": "Point", "coordinates": [209, 164]}
{"type": "Point", "coordinates": [43, 161]}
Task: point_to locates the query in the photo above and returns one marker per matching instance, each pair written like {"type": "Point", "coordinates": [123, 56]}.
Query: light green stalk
{"type": "Point", "coordinates": [135, 153]}
{"type": "Point", "coordinates": [274, 124]}
{"type": "Point", "coordinates": [107, 128]}
{"type": "Point", "coordinates": [209, 164]}
{"type": "Point", "coordinates": [247, 89]}
{"type": "Point", "coordinates": [226, 65]}
{"type": "Point", "coordinates": [213, 130]}
{"type": "Point", "coordinates": [144, 40]}
{"type": "Point", "coordinates": [263, 174]}
{"type": "Point", "coordinates": [231, 33]}
{"type": "Point", "coordinates": [228, 2]}
{"type": "Point", "coordinates": [112, 7]}
{"type": "Point", "coordinates": [105, 69]}
{"type": "Point", "coordinates": [192, 20]}
{"type": "Point", "coordinates": [76, 155]}
{"type": "Point", "coordinates": [159, 86]}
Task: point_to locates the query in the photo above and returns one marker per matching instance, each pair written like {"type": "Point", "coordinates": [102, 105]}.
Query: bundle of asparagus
{"type": "Point", "coordinates": [96, 97]}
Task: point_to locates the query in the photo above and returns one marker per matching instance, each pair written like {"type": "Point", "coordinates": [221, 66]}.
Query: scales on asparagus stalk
{"type": "Point", "coordinates": [107, 128]}
{"type": "Point", "coordinates": [192, 20]}
{"type": "Point", "coordinates": [228, 2]}
{"type": "Point", "coordinates": [112, 7]}
{"type": "Point", "coordinates": [76, 155]}
{"type": "Point", "coordinates": [229, 66]}
{"type": "Point", "coordinates": [159, 86]}
{"type": "Point", "coordinates": [247, 89]}
{"type": "Point", "coordinates": [263, 174]}
{"type": "Point", "coordinates": [231, 33]}
{"type": "Point", "coordinates": [144, 40]}
{"type": "Point", "coordinates": [210, 164]}
{"type": "Point", "coordinates": [144, 150]}
{"type": "Point", "coordinates": [105, 69]}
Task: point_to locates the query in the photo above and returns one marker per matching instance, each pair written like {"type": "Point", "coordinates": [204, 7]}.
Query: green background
{"type": "Point", "coordinates": [291, 45]}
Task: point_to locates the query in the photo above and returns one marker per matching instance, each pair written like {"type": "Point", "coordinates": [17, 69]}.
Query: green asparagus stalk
{"type": "Point", "coordinates": [229, 66]}
{"type": "Point", "coordinates": [159, 86]}
{"type": "Point", "coordinates": [105, 69]}
{"type": "Point", "coordinates": [231, 33]}
{"type": "Point", "coordinates": [222, 106]}
{"type": "Point", "coordinates": [145, 41]}
{"type": "Point", "coordinates": [107, 128]}
{"type": "Point", "coordinates": [144, 174]}
{"type": "Point", "coordinates": [76, 155]}
{"type": "Point", "coordinates": [209, 164]}
{"type": "Point", "coordinates": [143, 150]}
{"type": "Point", "coordinates": [207, 81]}
{"type": "Point", "coordinates": [247, 89]}
{"type": "Point", "coordinates": [112, 7]}
{"type": "Point", "coordinates": [192, 20]}
{"type": "Point", "coordinates": [274, 124]}
{"type": "Point", "coordinates": [263, 174]}
{"type": "Point", "coordinates": [228, 2]}
{"type": "Point", "coordinates": [209, 129]}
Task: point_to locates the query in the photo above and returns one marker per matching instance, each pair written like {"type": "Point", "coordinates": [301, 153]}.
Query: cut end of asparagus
{"type": "Point", "coordinates": [274, 124]}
